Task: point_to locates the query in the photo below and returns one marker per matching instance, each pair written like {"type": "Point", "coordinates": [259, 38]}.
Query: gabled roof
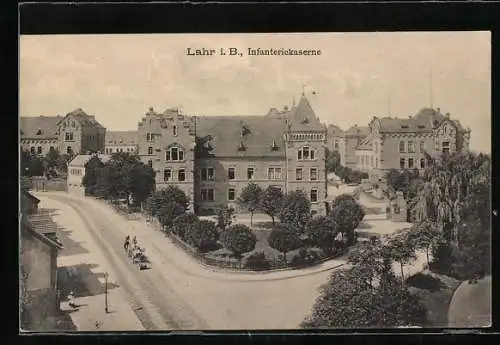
{"type": "Point", "coordinates": [81, 160]}
{"type": "Point", "coordinates": [425, 120]}
{"type": "Point", "coordinates": [303, 118]}
{"type": "Point", "coordinates": [257, 140]}
{"type": "Point", "coordinates": [83, 118]}
{"type": "Point", "coordinates": [27, 228]}
{"type": "Point", "coordinates": [39, 127]}
{"type": "Point", "coordinates": [358, 131]}
{"type": "Point", "coordinates": [121, 138]}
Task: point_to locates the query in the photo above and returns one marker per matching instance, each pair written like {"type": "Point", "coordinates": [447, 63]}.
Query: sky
{"type": "Point", "coordinates": [356, 77]}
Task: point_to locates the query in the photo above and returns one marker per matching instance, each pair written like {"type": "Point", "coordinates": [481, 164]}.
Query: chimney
{"type": "Point", "coordinates": [448, 115]}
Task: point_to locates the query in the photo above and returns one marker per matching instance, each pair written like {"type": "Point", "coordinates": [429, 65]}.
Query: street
{"type": "Point", "coordinates": [178, 292]}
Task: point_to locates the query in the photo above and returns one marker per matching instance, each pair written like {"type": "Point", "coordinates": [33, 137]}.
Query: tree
{"type": "Point", "coordinates": [423, 236]}
{"type": "Point", "coordinates": [140, 182]}
{"type": "Point", "coordinates": [332, 160]}
{"type": "Point", "coordinates": [250, 199]}
{"type": "Point", "coordinates": [183, 223]}
{"type": "Point", "coordinates": [238, 239]}
{"type": "Point", "coordinates": [401, 250]}
{"type": "Point", "coordinates": [284, 241]}
{"type": "Point", "coordinates": [347, 213]}
{"type": "Point", "coordinates": [225, 217]}
{"type": "Point", "coordinates": [91, 179]}
{"type": "Point", "coordinates": [295, 212]}
{"type": "Point", "coordinates": [168, 212]}
{"type": "Point", "coordinates": [271, 200]}
{"type": "Point", "coordinates": [170, 194]}
{"type": "Point", "coordinates": [203, 234]}
{"type": "Point", "coordinates": [455, 191]}
{"type": "Point", "coordinates": [322, 231]}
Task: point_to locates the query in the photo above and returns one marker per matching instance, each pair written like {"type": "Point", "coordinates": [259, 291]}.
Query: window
{"type": "Point", "coordinates": [298, 174]}
{"type": "Point", "coordinates": [32, 150]}
{"type": "Point", "coordinates": [174, 154]}
{"type": "Point", "coordinates": [422, 146]}
{"type": "Point", "coordinates": [174, 130]}
{"type": "Point", "coordinates": [250, 172]}
{"type": "Point", "coordinates": [148, 136]}
{"type": "Point", "coordinates": [230, 173]}
{"type": "Point", "coordinates": [181, 175]}
{"type": "Point", "coordinates": [410, 163]}
{"type": "Point", "coordinates": [376, 146]}
{"type": "Point", "coordinates": [314, 195]}
{"type": "Point", "coordinates": [371, 161]}
{"type": "Point", "coordinates": [422, 163]}
{"type": "Point", "coordinates": [150, 150]}
{"type": "Point", "coordinates": [207, 194]}
{"type": "Point", "coordinates": [313, 174]}
{"type": "Point", "coordinates": [411, 147]}
{"type": "Point", "coordinates": [446, 147]}
{"type": "Point", "coordinates": [305, 153]}
{"type": "Point", "coordinates": [39, 150]}
{"type": "Point", "coordinates": [376, 162]}
{"type": "Point", "coordinates": [401, 146]}
{"type": "Point", "coordinates": [274, 173]}
{"type": "Point", "coordinates": [68, 136]}
{"type": "Point", "coordinates": [69, 150]}
{"type": "Point", "coordinates": [401, 163]}
{"type": "Point", "coordinates": [336, 144]}
{"type": "Point", "coordinates": [207, 174]}
{"type": "Point", "coordinates": [150, 163]}
{"type": "Point", "coordinates": [51, 148]}
{"type": "Point", "coordinates": [167, 175]}
{"type": "Point", "coordinates": [231, 194]}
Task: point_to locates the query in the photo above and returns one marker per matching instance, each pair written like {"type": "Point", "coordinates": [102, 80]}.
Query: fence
{"type": "Point", "coordinates": [41, 184]}
{"type": "Point", "coordinates": [275, 261]}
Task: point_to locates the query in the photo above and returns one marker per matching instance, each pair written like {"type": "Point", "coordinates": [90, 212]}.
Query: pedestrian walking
{"type": "Point", "coordinates": [71, 298]}
{"type": "Point", "coordinates": [134, 241]}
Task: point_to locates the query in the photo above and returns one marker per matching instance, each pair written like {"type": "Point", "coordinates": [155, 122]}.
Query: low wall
{"type": "Point", "coordinates": [44, 185]}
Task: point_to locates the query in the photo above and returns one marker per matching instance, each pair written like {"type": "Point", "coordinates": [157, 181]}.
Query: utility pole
{"type": "Point", "coordinates": [106, 293]}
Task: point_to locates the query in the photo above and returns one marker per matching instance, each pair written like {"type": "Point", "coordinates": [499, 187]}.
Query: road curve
{"type": "Point", "coordinates": [155, 303]}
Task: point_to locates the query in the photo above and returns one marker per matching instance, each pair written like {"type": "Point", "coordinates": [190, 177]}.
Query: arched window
{"type": "Point", "coordinates": [174, 153]}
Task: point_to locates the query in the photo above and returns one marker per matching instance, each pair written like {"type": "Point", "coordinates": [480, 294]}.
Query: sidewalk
{"type": "Point", "coordinates": [81, 269]}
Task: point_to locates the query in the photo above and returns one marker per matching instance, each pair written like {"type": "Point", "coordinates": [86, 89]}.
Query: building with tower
{"type": "Point", "coordinates": [212, 158]}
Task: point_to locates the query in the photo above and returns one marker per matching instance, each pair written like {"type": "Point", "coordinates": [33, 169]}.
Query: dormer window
{"type": "Point", "coordinates": [404, 126]}
{"type": "Point", "coordinates": [274, 146]}
{"type": "Point", "coordinates": [305, 120]}
{"type": "Point", "coordinates": [421, 126]}
{"type": "Point", "coordinates": [242, 146]}
{"type": "Point", "coordinates": [39, 132]}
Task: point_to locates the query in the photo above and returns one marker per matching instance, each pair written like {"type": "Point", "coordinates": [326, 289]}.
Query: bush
{"type": "Point", "coordinates": [305, 257]}
{"type": "Point", "coordinates": [239, 239]}
{"type": "Point", "coordinates": [257, 261]}
{"type": "Point", "coordinates": [202, 234]}
{"type": "Point", "coordinates": [182, 224]}
{"type": "Point", "coordinates": [284, 241]}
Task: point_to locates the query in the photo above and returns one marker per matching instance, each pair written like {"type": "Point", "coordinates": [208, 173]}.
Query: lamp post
{"type": "Point", "coordinates": [106, 292]}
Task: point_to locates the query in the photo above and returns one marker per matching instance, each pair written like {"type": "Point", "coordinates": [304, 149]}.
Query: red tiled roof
{"type": "Point", "coordinates": [83, 118]}
{"type": "Point", "coordinates": [425, 120]}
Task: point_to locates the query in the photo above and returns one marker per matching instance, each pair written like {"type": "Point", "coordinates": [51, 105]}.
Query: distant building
{"type": "Point", "coordinates": [400, 143]}
{"type": "Point", "coordinates": [39, 134]}
{"type": "Point", "coordinates": [285, 148]}
{"type": "Point", "coordinates": [353, 137]}
{"type": "Point", "coordinates": [76, 172]}
{"type": "Point", "coordinates": [38, 262]}
{"type": "Point", "coordinates": [80, 133]}
{"type": "Point", "coordinates": [336, 141]}
{"type": "Point", "coordinates": [124, 141]}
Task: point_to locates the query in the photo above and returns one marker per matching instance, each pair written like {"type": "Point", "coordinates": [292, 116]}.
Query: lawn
{"type": "Point", "coordinates": [435, 292]}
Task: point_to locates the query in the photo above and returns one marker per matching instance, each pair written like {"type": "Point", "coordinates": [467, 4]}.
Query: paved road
{"type": "Point", "coordinates": [179, 293]}
{"type": "Point", "coordinates": [156, 305]}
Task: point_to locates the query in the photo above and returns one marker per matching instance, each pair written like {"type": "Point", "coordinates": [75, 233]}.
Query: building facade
{"type": "Point", "coordinates": [76, 172]}
{"type": "Point", "coordinates": [39, 134]}
{"type": "Point", "coordinates": [212, 158]}
{"type": "Point", "coordinates": [120, 141]}
{"type": "Point", "coordinates": [74, 133]}
{"type": "Point", "coordinates": [353, 137]}
{"type": "Point", "coordinates": [402, 143]}
{"type": "Point", "coordinates": [79, 133]}
{"type": "Point", "coordinates": [336, 141]}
